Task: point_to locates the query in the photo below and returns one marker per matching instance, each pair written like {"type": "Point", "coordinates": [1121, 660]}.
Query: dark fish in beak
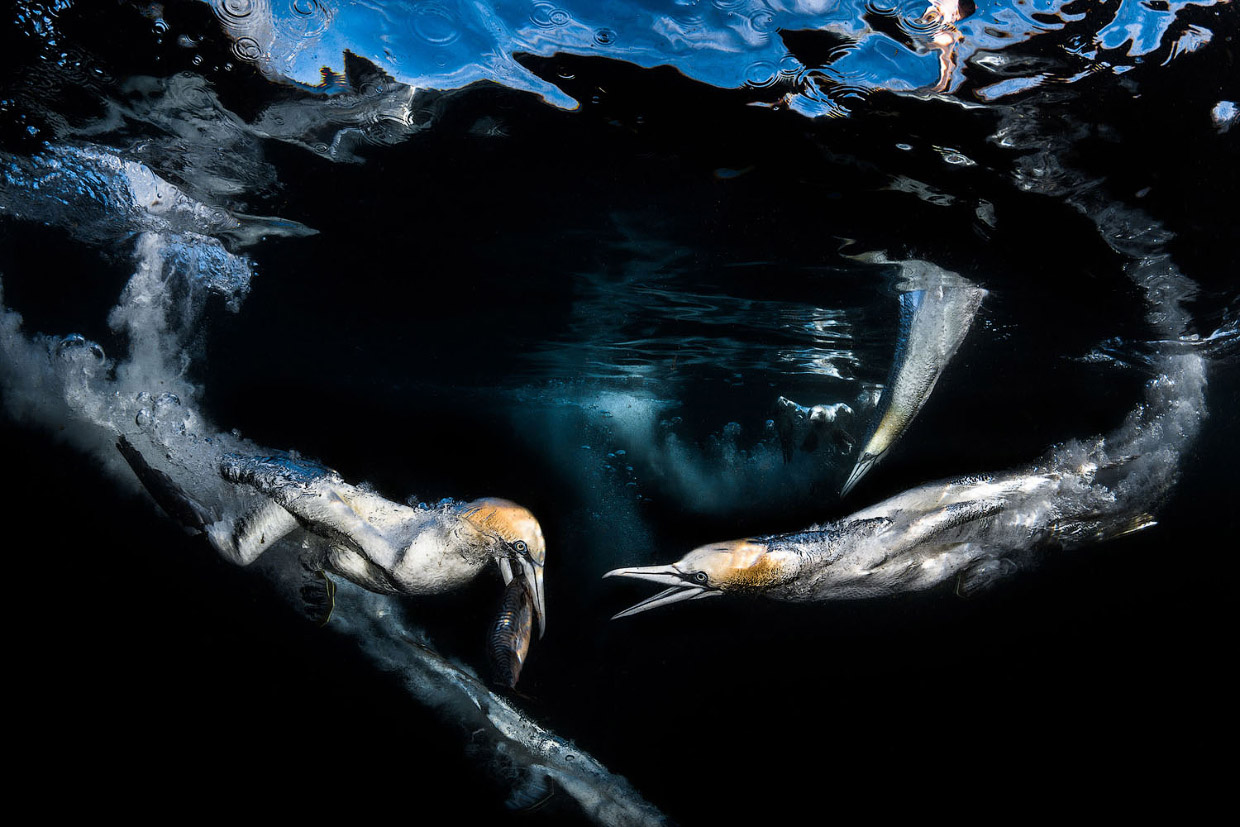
{"type": "Point", "coordinates": [511, 633]}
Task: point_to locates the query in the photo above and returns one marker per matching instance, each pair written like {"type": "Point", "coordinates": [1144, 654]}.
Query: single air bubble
{"type": "Point", "coordinates": [161, 26]}
{"type": "Point", "coordinates": [247, 48]}
{"type": "Point", "coordinates": [728, 5]}
{"type": "Point", "coordinates": [955, 157]}
{"type": "Point", "coordinates": [790, 65]}
{"type": "Point", "coordinates": [566, 75]}
{"type": "Point", "coordinates": [435, 25]}
{"type": "Point", "coordinates": [905, 147]}
{"type": "Point", "coordinates": [761, 73]}
{"type": "Point", "coordinates": [196, 60]}
{"type": "Point", "coordinates": [143, 418]}
{"type": "Point", "coordinates": [236, 9]}
{"type": "Point", "coordinates": [547, 16]}
{"type": "Point", "coordinates": [305, 7]}
{"type": "Point", "coordinates": [167, 400]}
{"type": "Point", "coordinates": [540, 15]}
{"type": "Point", "coordinates": [73, 340]}
{"type": "Point", "coordinates": [1224, 114]}
{"type": "Point", "coordinates": [186, 42]}
{"type": "Point", "coordinates": [762, 22]}
{"type": "Point", "coordinates": [604, 37]}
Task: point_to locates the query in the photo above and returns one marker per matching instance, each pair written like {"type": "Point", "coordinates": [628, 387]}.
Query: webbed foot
{"type": "Point", "coordinates": [318, 594]}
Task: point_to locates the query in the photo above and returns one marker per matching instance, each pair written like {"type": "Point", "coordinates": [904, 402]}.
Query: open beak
{"type": "Point", "coordinates": [679, 588]}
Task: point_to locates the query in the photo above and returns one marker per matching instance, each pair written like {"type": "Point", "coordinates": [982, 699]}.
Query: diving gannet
{"type": "Point", "coordinates": [378, 544]}
{"type": "Point", "coordinates": [937, 308]}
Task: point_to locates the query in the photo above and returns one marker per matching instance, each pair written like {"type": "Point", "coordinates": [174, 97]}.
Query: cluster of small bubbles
{"type": "Point", "coordinates": [761, 73]}
{"type": "Point", "coordinates": [247, 48]}
{"type": "Point", "coordinates": [167, 400]}
{"type": "Point", "coordinates": [436, 25]}
{"type": "Point", "coordinates": [548, 16]}
{"type": "Point", "coordinates": [762, 22]}
{"type": "Point", "coordinates": [234, 9]}
{"type": "Point", "coordinates": [604, 37]}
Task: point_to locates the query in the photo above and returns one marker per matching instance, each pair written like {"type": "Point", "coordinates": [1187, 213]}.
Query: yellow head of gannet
{"type": "Point", "coordinates": [520, 541]}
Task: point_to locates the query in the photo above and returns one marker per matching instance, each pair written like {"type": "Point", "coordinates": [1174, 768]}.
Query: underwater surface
{"type": "Point", "coordinates": [934, 303]}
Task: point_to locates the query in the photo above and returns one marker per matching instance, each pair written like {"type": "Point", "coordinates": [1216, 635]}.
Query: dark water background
{"type": "Point", "coordinates": [448, 276]}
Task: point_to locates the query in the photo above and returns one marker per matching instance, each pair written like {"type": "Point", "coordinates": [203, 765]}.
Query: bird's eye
{"type": "Point", "coordinates": [520, 547]}
{"type": "Point", "coordinates": [700, 577]}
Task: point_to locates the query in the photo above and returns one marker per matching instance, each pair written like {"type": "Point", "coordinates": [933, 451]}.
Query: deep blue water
{"type": "Point", "coordinates": [582, 282]}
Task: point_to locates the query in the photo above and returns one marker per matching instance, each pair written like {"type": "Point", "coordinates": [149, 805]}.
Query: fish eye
{"type": "Point", "coordinates": [700, 577]}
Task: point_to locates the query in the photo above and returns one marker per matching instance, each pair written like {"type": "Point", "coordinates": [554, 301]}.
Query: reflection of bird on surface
{"type": "Point", "coordinates": [381, 545]}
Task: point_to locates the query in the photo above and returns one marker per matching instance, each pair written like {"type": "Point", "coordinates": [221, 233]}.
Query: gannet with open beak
{"type": "Point", "coordinates": [912, 541]}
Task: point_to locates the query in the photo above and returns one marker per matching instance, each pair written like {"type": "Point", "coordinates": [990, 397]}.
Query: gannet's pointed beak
{"type": "Point", "coordinates": [534, 583]}
{"type": "Point", "coordinates": [859, 470]}
{"type": "Point", "coordinates": [532, 578]}
{"type": "Point", "coordinates": [680, 587]}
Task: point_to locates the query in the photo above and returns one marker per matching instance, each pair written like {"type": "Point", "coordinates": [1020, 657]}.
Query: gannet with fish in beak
{"type": "Point", "coordinates": [378, 544]}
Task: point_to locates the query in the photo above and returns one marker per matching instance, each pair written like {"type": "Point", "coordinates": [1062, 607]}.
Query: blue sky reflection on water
{"type": "Point", "coordinates": [903, 46]}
